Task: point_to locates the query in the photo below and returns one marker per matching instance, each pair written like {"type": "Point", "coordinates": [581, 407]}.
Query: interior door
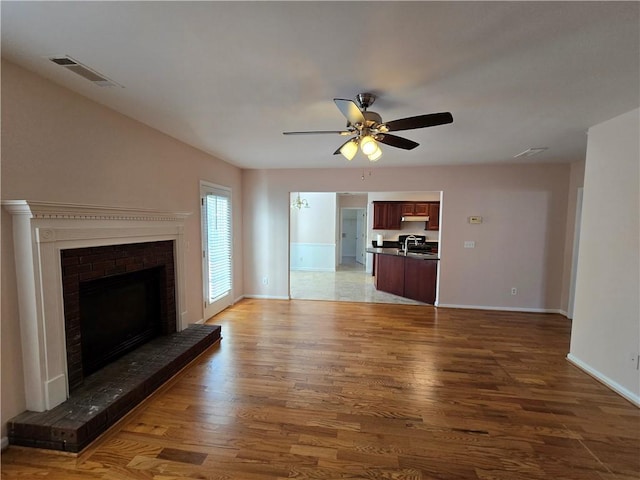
{"type": "Point", "coordinates": [361, 235]}
{"type": "Point", "coordinates": [217, 243]}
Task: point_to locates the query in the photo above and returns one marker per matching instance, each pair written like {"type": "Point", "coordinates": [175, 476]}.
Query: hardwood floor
{"type": "Point", "coordinates": [329, 390]}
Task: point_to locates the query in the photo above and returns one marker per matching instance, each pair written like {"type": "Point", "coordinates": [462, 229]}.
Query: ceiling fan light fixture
{"type": "Point", "coordinates": [349, 149]}
{"type": "Point", "coordinates": [368, 145]}
{"type": "Point", "coordinates": [367, 128]}
{"type": "Point", "coordinates": [375, 156]}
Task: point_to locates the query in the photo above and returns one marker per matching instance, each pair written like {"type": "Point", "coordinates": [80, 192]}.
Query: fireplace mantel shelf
{"type": "Point", "coordinates": [37, 209]}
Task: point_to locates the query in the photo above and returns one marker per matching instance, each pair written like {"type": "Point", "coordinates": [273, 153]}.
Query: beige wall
{"type": "Point", "coordinates": [606, 325]}
{"type": "Point", "coordinates": [315, 224]}
{"type": "Point", "coordinates": [352, 201]}
{"type": "Point", "coordinates": [61, 147]}
{"type": "Point", "coordinates": [12, 387]}
{"type": "Point", "coordinates": [521, 242]}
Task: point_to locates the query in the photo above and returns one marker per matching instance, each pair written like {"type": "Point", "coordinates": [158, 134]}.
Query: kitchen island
{"type": "Point", "coordinates": [411, 275]}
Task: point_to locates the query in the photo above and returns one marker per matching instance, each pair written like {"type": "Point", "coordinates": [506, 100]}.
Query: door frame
{"type": "Point", "coordinates": [574, 256]}
{"type": "Point", "coordinates": [211, 309]}
{"type": "Point", "coordinates": [341, 231]}
{"type": "Point", "coordinates": [361, 216]}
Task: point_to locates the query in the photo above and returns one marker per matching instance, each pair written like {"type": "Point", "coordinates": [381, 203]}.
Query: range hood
{"type": "Point", "coordinates": [415, 218]}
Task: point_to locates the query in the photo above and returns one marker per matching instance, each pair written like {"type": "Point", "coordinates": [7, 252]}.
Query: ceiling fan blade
{"type": "Point", "coordinates": [320, 132]}
{"type": "Point", "coordinates": [350, 110]}
{"type": "Point", "coordinates": [421, 121]}
{"type": "Point", "coordinates": [395, 141]}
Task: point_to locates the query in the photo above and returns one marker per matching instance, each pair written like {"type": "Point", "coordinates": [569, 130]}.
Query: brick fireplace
{"type": "Point", "coordinates": [83, 241]}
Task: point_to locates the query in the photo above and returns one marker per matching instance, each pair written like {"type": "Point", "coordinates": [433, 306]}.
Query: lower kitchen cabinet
{"type": "Point", "coordinates": [409, 277]}
{"type": "Point", "coordinates": [420, 279]}
{"type": "Point", "coordinates": [390, 274]}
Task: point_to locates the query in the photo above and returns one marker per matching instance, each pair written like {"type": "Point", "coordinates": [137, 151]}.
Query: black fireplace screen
{"type": "Point", "coordinates": [118, 314]}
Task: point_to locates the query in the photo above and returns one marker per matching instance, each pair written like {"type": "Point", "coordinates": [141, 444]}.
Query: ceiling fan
{"type": "Point", "coordinates": [367, 128]}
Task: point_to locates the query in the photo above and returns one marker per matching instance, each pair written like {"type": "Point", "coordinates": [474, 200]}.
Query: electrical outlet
{"type": "Point", "coordinates": [469, 244]}
{"type": "Point", "coordinates": [265, 280]}
{"type": "Point", "coordinates": [514, 291]}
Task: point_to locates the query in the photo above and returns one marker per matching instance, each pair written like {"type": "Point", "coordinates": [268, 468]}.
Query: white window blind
{"type": "Point", "coordinates": [218, 229]}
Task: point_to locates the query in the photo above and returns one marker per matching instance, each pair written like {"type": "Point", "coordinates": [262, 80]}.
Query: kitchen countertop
{"type": "Point", "coordinates": [399, 253]}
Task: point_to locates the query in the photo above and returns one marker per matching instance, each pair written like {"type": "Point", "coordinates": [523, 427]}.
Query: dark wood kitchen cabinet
{"type": "Point", "coordinates": [420, 279]}
{"type": "Point", "coordinates": [434, 216]}
{"type": "Point", "coordinates": [409, 277]}
{"type": "Point", "coordinates": [390, 274]}
{"type": "Point", "coordinates": [387, 215]}
{"type": "Point", "coordinates": [408, 209]}
{"type": "Point", "coordinates": [415, 209]}
{"type": "Point", "coordinates": [421, 209]}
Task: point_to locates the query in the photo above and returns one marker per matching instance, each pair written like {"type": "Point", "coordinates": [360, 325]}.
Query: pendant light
{"type": "Point", "coordinates": [300, 203]}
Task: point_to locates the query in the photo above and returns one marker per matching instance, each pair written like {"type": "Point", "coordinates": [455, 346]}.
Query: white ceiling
{"type": "Point", "coordinates": [230, 77]}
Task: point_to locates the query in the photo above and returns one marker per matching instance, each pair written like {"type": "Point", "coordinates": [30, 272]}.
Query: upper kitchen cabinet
{"type": "Point", "coordinates": [415, 208]}
{"type": "Point", "coordinates": [434, 216]}
{"type": "Point", "coordinates": [408, 209]}
{"type": "Point", "coordinates": [387, 215]}
{"type": "Point", "coordinates": [421, 209]}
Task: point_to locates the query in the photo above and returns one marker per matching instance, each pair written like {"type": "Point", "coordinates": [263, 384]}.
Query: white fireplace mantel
{"type": "Point", "coordinates": [41, 230]}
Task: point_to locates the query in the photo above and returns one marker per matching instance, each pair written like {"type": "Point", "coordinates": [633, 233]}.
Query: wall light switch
{"type": "Point", "coordinates": [469, 244]}
{"type": "Point", "coordinates": [475, 219]}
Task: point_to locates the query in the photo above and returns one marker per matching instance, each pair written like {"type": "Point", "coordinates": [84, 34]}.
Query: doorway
{"type": "Point", "coordinates": [353, 232]}
{"type": "Point", "coordinates": [328, 234]}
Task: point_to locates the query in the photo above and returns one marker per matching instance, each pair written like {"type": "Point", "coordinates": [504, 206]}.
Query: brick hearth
{"type": "Point", "coordinates": [108, 394]}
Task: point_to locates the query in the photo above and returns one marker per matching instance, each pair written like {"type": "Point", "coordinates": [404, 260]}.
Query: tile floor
{"type": "Point", "coordinates": [349, 283]}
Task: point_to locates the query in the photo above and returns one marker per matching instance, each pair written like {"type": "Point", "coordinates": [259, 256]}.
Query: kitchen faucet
{"type": "Point", "coordinates": [406, 242]}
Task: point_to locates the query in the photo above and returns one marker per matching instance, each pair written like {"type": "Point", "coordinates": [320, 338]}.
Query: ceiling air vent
{"type": "Point", "coordinates": [84, 71]}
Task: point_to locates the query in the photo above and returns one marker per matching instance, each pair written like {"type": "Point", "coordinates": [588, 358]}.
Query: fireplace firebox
{"type": "Point", "coordinates": [118, 314]}
{"type": "Point", "coordinates": [116, 298]}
